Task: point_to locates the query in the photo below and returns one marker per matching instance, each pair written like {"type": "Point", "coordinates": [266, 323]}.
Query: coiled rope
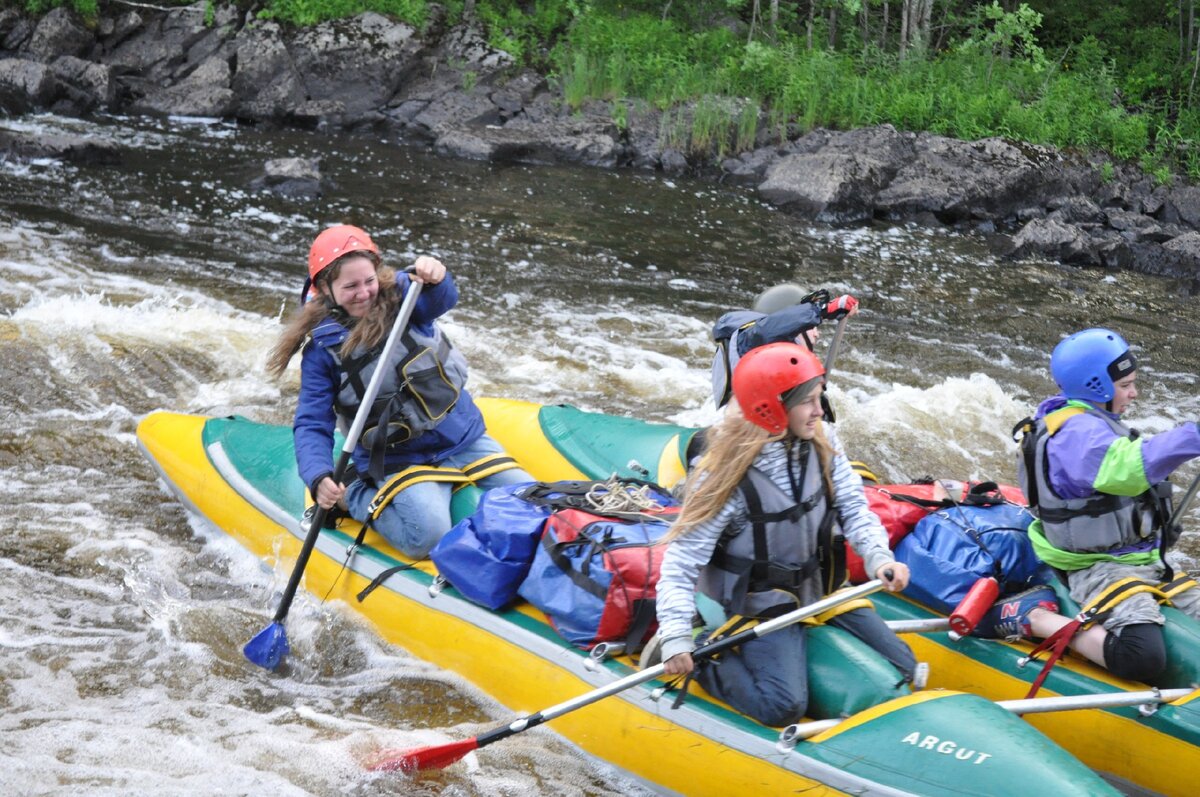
{"type": "Point", "coordinates": [614, 497]}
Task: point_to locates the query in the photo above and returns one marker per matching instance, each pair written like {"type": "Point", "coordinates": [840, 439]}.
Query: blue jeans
{"type": "Point", "coordinates": [420, 514]}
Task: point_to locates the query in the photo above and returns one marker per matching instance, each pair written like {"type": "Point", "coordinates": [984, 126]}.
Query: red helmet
{"type": "Point", "coordinates": [764, 374]}
{"type": "Point", "coordinates": [334, 242]}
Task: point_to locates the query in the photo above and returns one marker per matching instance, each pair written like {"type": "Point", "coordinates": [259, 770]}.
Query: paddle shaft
{"type": "Point", "coordinates": [831, 355]}
{"type": "Point", "coordinates": [1177, 515]}
{"type": "Point", "coordinates": [704, 652]}
{"type": "Point", "coordinates": [360, 420]}
{"type": "Point", "coordinates": [1035, 705]}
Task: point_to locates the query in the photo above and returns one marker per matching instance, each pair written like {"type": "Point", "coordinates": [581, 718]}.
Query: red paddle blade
{"type": "Point", "coordinates": [433, 757]}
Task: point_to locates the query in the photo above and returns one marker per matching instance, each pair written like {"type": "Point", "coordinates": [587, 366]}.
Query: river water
{"type": "Point", "coordinates": [160, 282]}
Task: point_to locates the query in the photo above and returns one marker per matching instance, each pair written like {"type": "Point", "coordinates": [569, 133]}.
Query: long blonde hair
{"type": "Point", "coordinates": [733, 445]}
{"type": "Point", "coordinates": [365, 332]}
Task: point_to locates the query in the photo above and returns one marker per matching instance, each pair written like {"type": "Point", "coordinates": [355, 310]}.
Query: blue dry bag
{"type": "Point", "coordinates": [487, 554]}
{"type": "Point", "coordinates": [949, 550]}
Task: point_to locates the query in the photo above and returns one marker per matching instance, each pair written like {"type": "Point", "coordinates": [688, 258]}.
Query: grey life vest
{"type": "Point", "coordinates": [790, 553]}
{"type": "Point", "coordinates": [1096, 524]}
{"type": "Point", "coordinates": [420, 385]}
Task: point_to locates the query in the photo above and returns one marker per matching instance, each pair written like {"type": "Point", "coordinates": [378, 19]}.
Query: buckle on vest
{"type": "Point", "coordinates": [776, 576]}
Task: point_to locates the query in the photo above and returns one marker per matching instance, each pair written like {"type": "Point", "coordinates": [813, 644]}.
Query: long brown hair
{"type": "Point", "coordinates": [365, 332]}
{"type": "Point", "coordinates": [733, 445]}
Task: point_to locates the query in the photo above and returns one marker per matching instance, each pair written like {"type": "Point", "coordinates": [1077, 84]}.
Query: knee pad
{"type": "Point", "coordinates": [1136, 652]}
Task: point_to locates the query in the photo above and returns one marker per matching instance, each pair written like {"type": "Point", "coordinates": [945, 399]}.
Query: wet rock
{"type": "Point", "coordinates": [1153, 203]}
{"type": "Point", "coordinates": [60, 32]}
{"type": "Point", "coordinates": [1187, 246]}
{"type": "Point", "coordinates": [451, 112]}
{"type": "Point", "coordinates": [826, 186]}
{"type": "Point", "coordinates": [1055, 240]}
{"type": "Point", "coordinates": [569, 142]}
{"type": "Point", "coordinates": [114, 30]}
{"type": "Point", "coordinates": [1075, 210]}
{"type": "Point", "coordinates": [750, 165]}
{"type": "Point", "coordinates": [837, 177]}
{"type": "Point", "coordinates": [84, 85]}
{"type": "Point", "coordinates": [266, 85]}
{"type": "Point", "coordinates": [674, 162]}
{"type": "Point", "coordinates": [1182, 205]}
{"type": "Point", "coordinates": [468, 146]}
{"type": "Point", "coordinates": [204, 92]}
{"type": "Point", "coordinates": [293, 178]}
{"type": "Point", "coordinates": [359, 62]}
{"type": "Point", "coordinates": [1158, 260]}
{"type": "Point", "coordinates": [154, 55]}
{"type": "Point", "coordinates": [643, 135]}
{"type": "Point", "coordinates": [58, 146]}
{"type": "Point", "coordinates": [24, 85]}
{"type": "Point", "coordinates": [15, 29]}
{"type": "Point", "coordinates": [1138, 226]}
{"type": "Point", "coordinates": [963, 180]}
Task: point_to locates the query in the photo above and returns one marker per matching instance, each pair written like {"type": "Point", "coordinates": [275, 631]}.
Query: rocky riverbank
{"type": "Point", "coordinates": [448, 89]}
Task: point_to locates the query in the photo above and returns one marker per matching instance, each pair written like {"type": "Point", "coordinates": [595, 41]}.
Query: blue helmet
{"type": "Point", "coordinates": [1086, 364]}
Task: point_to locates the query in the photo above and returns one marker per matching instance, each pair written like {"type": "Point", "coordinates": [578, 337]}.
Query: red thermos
{"type": "Point", "coordinates": [974, 605]}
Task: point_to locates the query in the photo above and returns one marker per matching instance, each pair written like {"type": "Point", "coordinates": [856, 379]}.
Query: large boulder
{"type": "Point", "coordinates": [447, 110]}
{"type": "Point", "coordinates": [59, 32]}
{"type": "Point", "coordinates": [292, 178]}
{"type": "Point", "coordinates": [24, 85]}
{"type": "Point", "coordinates": [1181, 204]}
{"type": "Point", "coordinates": [1054, 240]}
{"type": "Point", "coordinates": [59, 146]}
{"type": "Point", "coordinates": [837, 177]}
{"type": "Point", "coordinates": [168, 48]}
{"type": "Point", "coordinates": [266, 84]}
{"type": "Point", "coordinates": [964, 180]}
{"type": "Point", "coordinates": [356, 65]}
{"type": "Point", "coordinates": [582, 142]}
{"type": "Point", "coordinates": [83, 85]}
{"type": "Point", "coordinates": [205, 92]}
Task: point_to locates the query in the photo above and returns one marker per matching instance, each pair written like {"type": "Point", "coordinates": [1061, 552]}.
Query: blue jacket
{"type": "Point", "coordinates": [320, 379]}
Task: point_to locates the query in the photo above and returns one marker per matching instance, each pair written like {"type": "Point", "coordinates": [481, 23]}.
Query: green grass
{"type": "Point", "coordinates": [957, 93]}
{"type": "Point", "coordinates": [310, 12]}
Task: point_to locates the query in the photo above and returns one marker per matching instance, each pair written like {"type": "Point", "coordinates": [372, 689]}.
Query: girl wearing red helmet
{"type": "Point", "coordinates": [423, 415]}
{"type": "Point", "coordinates": [759, 534]}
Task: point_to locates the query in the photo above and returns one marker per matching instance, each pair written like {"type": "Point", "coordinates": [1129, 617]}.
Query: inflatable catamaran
{"type": "Point", "coordinates": [951, 738]}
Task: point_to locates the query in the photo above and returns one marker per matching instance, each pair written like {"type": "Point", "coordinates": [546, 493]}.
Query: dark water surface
{"type": "Point", "coordinates": [159, 283]}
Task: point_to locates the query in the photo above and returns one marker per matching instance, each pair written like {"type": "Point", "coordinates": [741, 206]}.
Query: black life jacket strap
{"type": "Point", "coordinates": [644, 615]}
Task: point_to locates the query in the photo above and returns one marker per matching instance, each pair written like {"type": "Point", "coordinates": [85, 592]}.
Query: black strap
{"type": "Point", "coordinates": [382, 577]}
{"type": "Point", "coordinates": [579, 578]}
{"type": "Point", "coordinates": [831, 553]}
{"type": "Point", "coordinates": [1028, 452]}
{"type": "Point", "coordinates": [1101, 504]}
{"type": "Point", "coordinates": [758, 525]}
{"type": "Point", "coordinates": [644, 614]}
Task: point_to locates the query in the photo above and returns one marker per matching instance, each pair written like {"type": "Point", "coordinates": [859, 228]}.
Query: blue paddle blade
{"type": "Point", "coordinates": [268, 647]}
